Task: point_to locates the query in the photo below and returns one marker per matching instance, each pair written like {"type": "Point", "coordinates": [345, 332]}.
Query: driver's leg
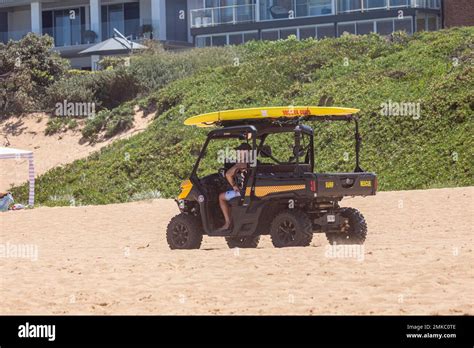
{"type": "Point", "coordinates": [225, 210]}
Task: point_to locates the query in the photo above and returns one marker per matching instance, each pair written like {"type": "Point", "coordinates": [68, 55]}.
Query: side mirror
{"type": "Point", "coordinates": [298, 151]}
{"type": "Point", "coordinates": [266, 151]}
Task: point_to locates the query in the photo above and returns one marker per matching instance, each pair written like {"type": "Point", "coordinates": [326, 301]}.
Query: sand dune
{"type": "Point", "coordinates": [28, 133]}
{"type": "Point", "coordinates": [114, 260]}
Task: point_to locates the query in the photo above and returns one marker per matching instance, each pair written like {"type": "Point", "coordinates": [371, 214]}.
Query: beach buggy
{"type": "Point", "coordinates": [276, 195]}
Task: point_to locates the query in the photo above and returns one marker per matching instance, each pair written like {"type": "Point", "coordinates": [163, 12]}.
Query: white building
{"type": "Point", "coordinates": [77, 24]}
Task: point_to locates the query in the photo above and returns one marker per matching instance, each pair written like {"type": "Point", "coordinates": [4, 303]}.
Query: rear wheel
{"type": "Point", "coordinates": [291, 228]}
{"type": "Point", "coordinates": [184, 232]}
{"type": "Point", "coordinates": [357, 231]}
{"type": "Point", "coordinates": [242, 242]}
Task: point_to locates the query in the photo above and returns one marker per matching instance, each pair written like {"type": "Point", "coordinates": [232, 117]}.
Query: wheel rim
{"type": "Point", "coordinates": [180, 234]}
{"type": "Point", "coordinates": [286, 231]}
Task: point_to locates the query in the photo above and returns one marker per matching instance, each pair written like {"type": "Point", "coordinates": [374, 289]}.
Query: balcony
{"type": "Point", "coordinates": [269, 10]}
{"type": "Point", "coordinates": [212, 16]}
{"type": "Point", "coordinates": [344, 6]}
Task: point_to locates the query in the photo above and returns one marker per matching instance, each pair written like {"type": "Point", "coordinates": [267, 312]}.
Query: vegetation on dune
{"type": "Point", "coordinates": [27, 68]}
{"type": "Point", "coordinates": [431, 149]}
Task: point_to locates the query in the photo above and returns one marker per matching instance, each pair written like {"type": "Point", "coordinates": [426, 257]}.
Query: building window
{"type": "Point", "coordinates": [420, 23]}
{"type": "Point", "coordinates": [285, 9]}
{"type": "Point", "coordinates": [253, 36]}
{"type": "Point", "coordinates": [365, 28]}
{"type": "Point", "coordinates": [375, 4]}
{"type": "Point", "coordinates": [66, 27]}
{"type": "Point", "coordinates": [346, 28]}
{"type": "Point", "coordinates": [305, 8]}
{"type": "Point", "coordinates": [4, 27]}
{"type": "Point", "coordinates": [432, 23]}
{"type": "Point", "coordinates": [348, 5]}
{"type": "Point", "coordinates": [384, 27]}
{"type": "Point", "coordinates": [123, 17]}
{"type": "Point", "coordinates": [219, 40]}
{"type": "Point", "coordinates": [203, 41]}
{"type": "Point", "coordinates": [306, 33]}
{"type": "Point", "coordinates": [399, 3]}
{"type": "Point", "coordinates": [427, 22]}
{"type": "Point", "coordinates": [270, 35]}
{"type": "Point", "coordinates": [226, 39]}
{"type": "Point", "coordinates": [404, 24]}
{"type": "Point", "coordinates": [285, 33]}
{"type": "Point", "coordinates": [236, 39]}
{"type": "Point", "coordinates": [326, 31]}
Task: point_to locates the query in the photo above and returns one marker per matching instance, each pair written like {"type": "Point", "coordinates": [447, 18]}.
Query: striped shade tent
{"type": "Point", "coordinates": [9, 153]}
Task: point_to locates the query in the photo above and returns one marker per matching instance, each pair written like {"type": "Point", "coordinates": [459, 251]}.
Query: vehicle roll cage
{"type": "Point", "coordinates": [254, 130]}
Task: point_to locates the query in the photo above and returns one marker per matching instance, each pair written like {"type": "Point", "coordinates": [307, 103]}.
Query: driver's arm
{"type": "Point", "coordinates": [231, 173]}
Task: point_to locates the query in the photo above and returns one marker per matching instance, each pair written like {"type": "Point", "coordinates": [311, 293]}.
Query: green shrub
{"type": "Point", "coordinates": [31, 66]}
{"type": "Point", "coordinates": [72, 124]}
{"type": "Point", "coordinates": [156, 67]}
{"type": "Point", "coordinates": [107, 89]}
{"type": "Point", "coordinates": [95, 125]}
{"type": "Point", "coordinates": [54, 125]}
{"type": "Point", "coordinates": [111, 122]}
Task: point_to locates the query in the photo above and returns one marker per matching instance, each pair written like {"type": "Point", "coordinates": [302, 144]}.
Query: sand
{"type": "Point", "coordinates": [27, 133]}
{"type": "Point", "coordinates": [114, 259]}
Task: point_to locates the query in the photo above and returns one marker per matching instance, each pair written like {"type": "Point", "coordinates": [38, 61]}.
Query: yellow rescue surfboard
{"type": "Point", "coordinates": [210, 119]}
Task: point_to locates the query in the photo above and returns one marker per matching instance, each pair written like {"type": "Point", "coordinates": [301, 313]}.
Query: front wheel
{"type": "Point", "coordinates": [357, 231]}
{"type": "Point", "coordinates": [291, 228]}
{"type": "Point", "coordinates": [242, 242]}
{"type": "Point", "coordinates": [184, 232]}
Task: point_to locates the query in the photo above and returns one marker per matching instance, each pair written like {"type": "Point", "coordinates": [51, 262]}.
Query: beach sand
{"type": "Point", "coordinates": [418, 259]}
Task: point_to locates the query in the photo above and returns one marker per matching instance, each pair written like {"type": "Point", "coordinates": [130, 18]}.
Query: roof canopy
{"type": "Point", "coordinates": [274, 112]}
{"type": "Point", "coordinates": [8, 152]}
{"type": "Point", "coordinates": [115, 45]}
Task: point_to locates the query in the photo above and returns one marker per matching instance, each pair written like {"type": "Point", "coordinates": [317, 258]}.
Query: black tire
{"type": "Point", "coordinates": [291, 228]}
{"type": "Point", "coordinates": [242, 242]}
{"type": "Point", "coordinates": [357, 229]}
{"type": "Point", "coordinates": [184, 232]}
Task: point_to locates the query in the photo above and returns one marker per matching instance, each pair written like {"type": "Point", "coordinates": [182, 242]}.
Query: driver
{"type": "Point", "coordinates": [240, 167]}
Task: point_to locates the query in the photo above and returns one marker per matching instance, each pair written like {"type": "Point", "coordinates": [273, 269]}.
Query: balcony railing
{"type": "Point", "coordinates": [367, 5]}
{"type": "Point", "coordinates": [206, 17]}
{"type": "Point", "coordinates": [263, 11]}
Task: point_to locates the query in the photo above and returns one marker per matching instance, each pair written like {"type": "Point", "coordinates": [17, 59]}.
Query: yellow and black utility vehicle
{"type": "Point", "coordinates": [284, 198]}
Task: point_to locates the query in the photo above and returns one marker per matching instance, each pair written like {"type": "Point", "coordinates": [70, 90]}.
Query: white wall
{"type": "Point", "coordinates": [80, 62]}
